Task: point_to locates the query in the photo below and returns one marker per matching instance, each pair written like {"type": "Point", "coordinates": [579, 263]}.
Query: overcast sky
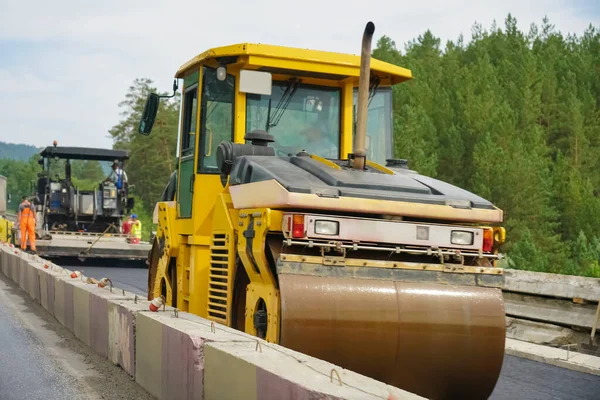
{"type": "Point", "coordinates": [65, 64]}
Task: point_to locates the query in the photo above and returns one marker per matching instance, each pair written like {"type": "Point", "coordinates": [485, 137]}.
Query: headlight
{"type": "Point", "coordinates": [327, 227]}
{"type": "Point", "coordinates": [461, 237]}
{"type": "Point", "coordinates": [422, 232]}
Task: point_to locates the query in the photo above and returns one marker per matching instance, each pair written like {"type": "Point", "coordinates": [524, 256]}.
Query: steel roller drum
{"type": "Point", "coordinates": [438, 341]}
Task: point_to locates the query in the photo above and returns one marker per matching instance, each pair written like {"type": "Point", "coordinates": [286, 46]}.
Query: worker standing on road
{"type": "Point", "coordinates": [136, 229]}
{"type": "Point", "coordinates": [26, 221]}
{"type": "Point", "coordinates": [127, 226]}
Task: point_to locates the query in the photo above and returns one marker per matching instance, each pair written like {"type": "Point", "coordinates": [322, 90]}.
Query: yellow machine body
{"type": "Point", "coordinates": [6, 225]}
{"type": "Point", "coordinates": [221, 250]}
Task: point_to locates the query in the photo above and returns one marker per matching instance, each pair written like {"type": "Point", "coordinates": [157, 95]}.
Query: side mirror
{"type": "Point", "coordinates": [255, 82]}
{"type": "Point", "coordinates": [130, 203]}
{"type": "Point", "coordinates": [8, 198]}
{"type": "Point", "coordinates": [149, 114]}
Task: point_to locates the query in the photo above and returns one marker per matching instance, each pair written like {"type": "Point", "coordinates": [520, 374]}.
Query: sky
{"type": "Point", "coordinates": [65, 65]}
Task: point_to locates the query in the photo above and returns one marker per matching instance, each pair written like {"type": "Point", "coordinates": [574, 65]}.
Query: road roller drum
{"type": "Point", "coordinates": [437, 340]}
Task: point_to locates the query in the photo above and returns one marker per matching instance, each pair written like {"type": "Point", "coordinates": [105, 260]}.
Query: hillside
{"type": "Point", "coordinates": [20, 152]}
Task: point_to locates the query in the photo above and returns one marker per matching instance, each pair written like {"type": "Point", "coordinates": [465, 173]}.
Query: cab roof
{"type": "Point", "coordinates": [84, 153]}
{"type": "Point", "coordinates": [296, 61]}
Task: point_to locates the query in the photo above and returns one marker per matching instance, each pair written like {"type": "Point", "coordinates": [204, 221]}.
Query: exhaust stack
{"type": "Point", "coordinates": [360, 154]}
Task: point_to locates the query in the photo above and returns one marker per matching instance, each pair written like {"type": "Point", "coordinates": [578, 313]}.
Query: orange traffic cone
{"type": "Point", "coordinates": [103, 282]}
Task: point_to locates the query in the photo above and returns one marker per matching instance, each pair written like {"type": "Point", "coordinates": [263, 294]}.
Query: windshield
{"type": "Point", "coordinates": [84, 174]}
{"type": "Point", "coordinates": [310, 121]}
{"type": "Point", "coordinates": [379, 126]}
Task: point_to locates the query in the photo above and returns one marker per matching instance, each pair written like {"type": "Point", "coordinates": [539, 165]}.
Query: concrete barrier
{"type": "Point", "coordinates": [558, 311]}
{"type": "Point", "coordinates": [553, 285]}
{"type": "Point", "coordinates": [179, 355]}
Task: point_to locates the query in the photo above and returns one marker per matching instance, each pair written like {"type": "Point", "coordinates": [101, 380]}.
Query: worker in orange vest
{"type": "Point", "coordinates": [26, 221]}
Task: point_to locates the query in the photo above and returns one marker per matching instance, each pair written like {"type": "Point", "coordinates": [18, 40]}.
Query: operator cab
{"type": "Point", "coordinates": [63, 206]}
{"type": "Point", "coordinates": [305, 99]}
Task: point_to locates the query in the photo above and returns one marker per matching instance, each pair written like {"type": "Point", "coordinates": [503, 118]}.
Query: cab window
{"type": "Point", "coordinates": [217, 117]}
{"type": "Point", "coordinates": [190, 105]}
{"type": "Point", "coordinates": [379, 125]}
{"type": "Point", "coordinates": [300, 117]}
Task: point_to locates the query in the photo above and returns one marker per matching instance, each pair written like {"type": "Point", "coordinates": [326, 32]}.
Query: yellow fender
{"type": "Point", "coordinates": [165, 247]}
{"type": "Point", "coordinates": [252, 235]}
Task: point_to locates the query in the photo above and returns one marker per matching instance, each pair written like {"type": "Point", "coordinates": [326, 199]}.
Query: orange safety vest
{"type": "Point", "coordinates": [27, 224]}
{"type": "Point", "coordinates": [27, 213]}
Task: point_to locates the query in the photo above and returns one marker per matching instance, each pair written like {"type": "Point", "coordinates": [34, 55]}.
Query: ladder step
{"type": "Point", "coordinates": [217, 318]}
{"type": "Point", "coordinates": [218, 306]}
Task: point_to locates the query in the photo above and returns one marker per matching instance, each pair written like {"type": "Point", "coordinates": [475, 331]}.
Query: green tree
{"type": "Point", "coordinates": [152, 158]}
{"type": "Point", "coordinates": [515, 118]}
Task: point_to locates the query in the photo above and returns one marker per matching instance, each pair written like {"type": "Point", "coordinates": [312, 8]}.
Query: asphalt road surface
{"type": "Point", "coordinates": [134, 280]}
{"type": "Point", "coordinates": [41, 359]}
{"type": "Point", "coordinates": [520, 379]}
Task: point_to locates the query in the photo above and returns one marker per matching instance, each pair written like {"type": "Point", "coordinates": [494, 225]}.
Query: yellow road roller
{"type": "Point", "coordinates": [289, 219]}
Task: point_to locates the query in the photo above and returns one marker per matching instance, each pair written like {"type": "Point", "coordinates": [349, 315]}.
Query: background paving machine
{"type": "Point", "coordinates": [85, 224]}
{"type": "Point", "coordinates": [284, 224]}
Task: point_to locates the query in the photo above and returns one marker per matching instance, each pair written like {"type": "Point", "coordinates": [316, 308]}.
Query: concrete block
{"type": "Point", "coordinates": [148, 354]}
{"type": "Point", "coordinates": [228, 376]}
{"type": "Point", "coordinates": [181, 355]}
{"type": "Point", "coordinates": [47, 283]}
{"type": "Point", "coordinates": [22, 276]}
{"type": "Point", "coordinates": [121, 332]}
{"type": "Point", "coordinates": [4, 260]}
{"type": "Point", "coordinates": [544, 309]}
{"type": "Point", "coordinates": [44, 278]}
{"type": "Point", "coordinates": [98, 315]}
{"type": "Point", "coordinates": [12, 269]}
{"type": "Point", "coordinates": [282, 373]}
{"type": "Point", "coordinates": [555, 285]}
{"type": "Point", "coordinates": [33, 280]}
{"type": "Point", "coordinates": [270, 386]}
{"type": "Point", "coordinates": [183, 365]}
{"type": "Point", "coordinates": [81, 313]}
{"type": "Point", "coordinates": [63, 302]}
{"type": "Point", "coordinates": [98, 319]}
{"type": "Point", "coordinates": [15, 268]}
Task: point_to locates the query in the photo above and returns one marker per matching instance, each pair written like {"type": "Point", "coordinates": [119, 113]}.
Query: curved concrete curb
{"type": "Point", "coordinates": [183, 356]}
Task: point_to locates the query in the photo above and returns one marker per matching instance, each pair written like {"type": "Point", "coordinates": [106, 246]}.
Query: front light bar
{"type": "Point", "coordinates": [365, 231]}
{"type": "Point", "coordinates": [396, 250]}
